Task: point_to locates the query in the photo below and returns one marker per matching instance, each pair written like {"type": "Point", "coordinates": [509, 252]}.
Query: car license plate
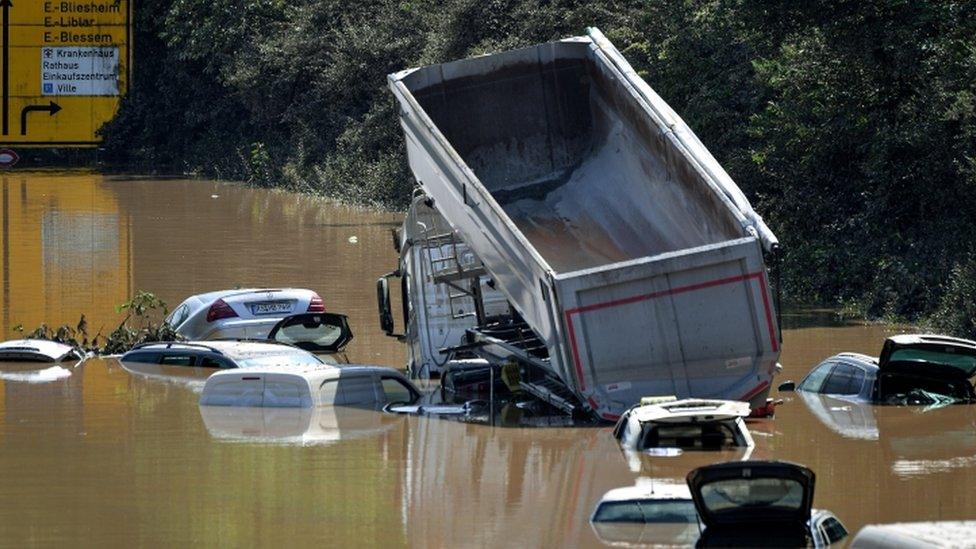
{"type": "Point", "coordinates": [271, 308]}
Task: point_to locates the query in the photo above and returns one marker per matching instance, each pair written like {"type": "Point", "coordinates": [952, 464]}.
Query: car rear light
{"type": "Point", "coordinates": [316, 305]}
{"type": "Point", "coordinates": [220, 309]}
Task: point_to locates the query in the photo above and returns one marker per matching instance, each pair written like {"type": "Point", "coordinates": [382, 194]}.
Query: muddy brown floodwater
{"type": "Point", "coordinates": [95, 454]}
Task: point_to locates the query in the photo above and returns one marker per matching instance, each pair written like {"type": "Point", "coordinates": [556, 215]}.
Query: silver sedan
{"type": "Point", "coordinates": [244, 313]}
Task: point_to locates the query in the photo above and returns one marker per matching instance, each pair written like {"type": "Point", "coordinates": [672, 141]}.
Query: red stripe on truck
{"type": "Point", "coordinates": [654, 295]}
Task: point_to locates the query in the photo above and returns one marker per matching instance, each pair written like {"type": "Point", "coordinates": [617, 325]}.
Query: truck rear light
{"type": "Point", "coordinates": [316, 305]}
{"type": "Point", "coordinates": [220, 309]}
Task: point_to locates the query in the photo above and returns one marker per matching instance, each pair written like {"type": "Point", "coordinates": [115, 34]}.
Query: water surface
{"type": "Point", "coordinates": [106, 457]}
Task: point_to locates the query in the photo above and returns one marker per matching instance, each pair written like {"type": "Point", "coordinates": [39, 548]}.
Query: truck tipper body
{"type": "Point", "coordinates": [615, 236]}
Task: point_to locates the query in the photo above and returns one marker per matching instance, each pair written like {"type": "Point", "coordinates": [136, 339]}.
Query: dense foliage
{"type": "Point", "coordinates": [850, 123]}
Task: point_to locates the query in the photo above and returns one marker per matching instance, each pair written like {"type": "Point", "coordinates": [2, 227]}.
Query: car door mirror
{"type": "Point", "coordinates": [313, 332]}
{"type": "Point", "coordinates": [384, 306]}
{"type": "Point", "coordinates": [383, 303]}
{"type": "Point", "coordinates": [787, 386]}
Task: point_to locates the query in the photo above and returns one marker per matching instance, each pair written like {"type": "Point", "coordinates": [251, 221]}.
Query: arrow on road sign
{"type": "Point", "coordinates": [6, 5]}
{"type": "Point", "coordinates": [52, 108]}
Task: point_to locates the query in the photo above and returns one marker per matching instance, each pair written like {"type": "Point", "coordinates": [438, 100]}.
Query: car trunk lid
{"type": "Point", "coordinates": [313, 332]}
{"type": "Point", "coordinates": [761, 493]}
{"type": "Point", "coordinates": [928, 356]}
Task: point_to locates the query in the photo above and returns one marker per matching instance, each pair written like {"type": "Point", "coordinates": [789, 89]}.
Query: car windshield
{"type": "Point", "coordinates": [648, 511]}
{"type": "Point", "coordinates": [760, 494]}
{"type": "Point", "coordinates": [962, 362]}
{"type": "Point", "coordinates": [279, 359]}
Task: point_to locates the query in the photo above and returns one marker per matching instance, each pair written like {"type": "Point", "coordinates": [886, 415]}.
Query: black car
{"type": "Point", "coordinates": [760, 504]}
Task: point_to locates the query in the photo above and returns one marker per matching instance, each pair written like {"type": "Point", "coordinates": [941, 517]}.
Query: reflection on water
{"type": "Point", "coordinates": [115, 458]}
{"type": "Point", "coordinates": [66, 249]}
{"type": "Point", "coordinates": [302, 426]}
{"type": "Point", "coordinates": [29, 375]}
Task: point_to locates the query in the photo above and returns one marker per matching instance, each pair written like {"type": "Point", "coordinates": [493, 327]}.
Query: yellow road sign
{"type": "Point", "coordinates": [65, 66]}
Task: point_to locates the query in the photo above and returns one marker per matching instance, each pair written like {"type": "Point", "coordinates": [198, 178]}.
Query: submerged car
{"type": "Point", "coordinates": [652, 512]}
{"type": "Point", "coordinates": [944, 533]}
{"type": "Point", "coordinates": [688, 424]}
{"type": "Point", "coordinates": [190, 360]}
{"type": "Point", "coordinates": [912, 369]}
{"type": "Point", "coordinates": [245, 313]}
{"type": "Point", "coordinates": [309, 387]}
{"type": "Point", "coordinates": [760, 504]}
{"type": "Point", "coordinates": [297, 340]}
{"type": "Point", "coordinates": [36, 350]}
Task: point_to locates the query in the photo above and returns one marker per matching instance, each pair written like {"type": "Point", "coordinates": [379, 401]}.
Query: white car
{"type": "Point", "coordinates": [656, 512]}
{"type": "Point", "coordinates": [36, 350]}
{"type": "Point", "coordinates": [692, 423]}
{"type": "Point", "coordinates": [245, 313]}
{"type": "Point", "coordinates": [308, 387]}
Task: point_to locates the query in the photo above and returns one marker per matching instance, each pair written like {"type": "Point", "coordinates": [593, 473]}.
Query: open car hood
{"type": "Point", "coordinates": [313, 332]}
{"type": "Point", "coordinates": [929, 356]}
{"type": "Point", "coordinates": [36, 350]}
{"type": "Point", "coordinates": [752, 492]}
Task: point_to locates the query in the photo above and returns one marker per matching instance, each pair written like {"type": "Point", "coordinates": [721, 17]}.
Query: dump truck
{"type": "Point", "coordinates": [631, 263]}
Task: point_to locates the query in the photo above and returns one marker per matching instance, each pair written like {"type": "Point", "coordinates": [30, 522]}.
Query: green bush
{"type": "Point", "coordinates": [957, 309]}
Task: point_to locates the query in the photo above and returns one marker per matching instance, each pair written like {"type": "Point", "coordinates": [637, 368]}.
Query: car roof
{"type": "Point", "coordinates": [864, 361]}
{"type": "Point", "coordinates": [312, 372]}
{"type": "Point", "coordinates": [234, 349]}
{"type": "Point", "coordinates": [663, 489]}
{"type": "Point", "coordinates": [691, 409]}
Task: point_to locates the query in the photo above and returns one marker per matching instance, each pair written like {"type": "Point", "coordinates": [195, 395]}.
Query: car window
{"type": "Point", "coordinates": [328, 392]}
{"type": "Point", "coordinates": [395, 390]}
{"type": "Point", "coordinates": [151, 358]}
{"type": "Point", "coordinates": [833, 530]}
{"type": "Point", "coordinates": [844, 379]}
{"type": "Point", "coordinates": [618, 429]}
{"type": "Point", "coordinates": [754, 493]}
{"type": "Point", "coordinates": [815, 379]}
{"type": "Point", "coordinates": [176, 360]}
{"type": "Point", "coordinates": [668, 511]}
{"type": "Point", "coordinates": [356, 391]}
{"type": "Point", "coordinates": [178, 316]}
{"type": "Point", "coordinates": [213, 362]}
{"type": "Point", "coordinates": [961, 361]}
{"type": "Point", "coordinates": [323, 334]}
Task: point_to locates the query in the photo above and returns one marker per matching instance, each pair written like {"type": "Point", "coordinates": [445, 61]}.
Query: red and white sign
{"type": "Point", "coordinates": [8, 158]}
